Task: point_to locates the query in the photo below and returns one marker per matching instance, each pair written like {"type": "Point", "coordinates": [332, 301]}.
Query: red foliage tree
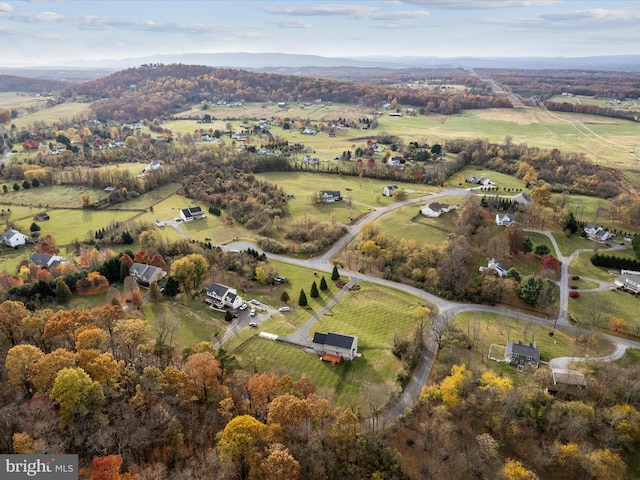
{"type": "Point", "coordinates": [30, 145]}
{"type": "Point", "coordinates": [549, 267]}
{"type": "Point", "coordinates": [127, 259]}
{"type": "Point", "coordinates": [141, 257]}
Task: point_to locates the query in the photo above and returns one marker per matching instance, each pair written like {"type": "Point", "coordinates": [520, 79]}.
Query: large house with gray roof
{"type": "Point", "coordinates": [146, 274]}
{"type": "Point", "coordinates": [223, 297]}
{"type": "Point", "coordinates": [518, 353]}
{"type": "Point", "coordinates": [335, 345]}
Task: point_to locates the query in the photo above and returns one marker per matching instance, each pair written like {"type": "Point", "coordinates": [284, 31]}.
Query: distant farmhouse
{"type": "Point", "coordinates": [191, 213]}
{"type": "Point", "coordinates": [388, 190]}
{"type": "Point", "coordinates": [13, 238]}
{"type": "Point", "coordinates": [153, 166]}
{"type": "Point", "coordinates": [41, 217]}
{"type": "Point", "coordinates": [500, 268]}
{"type": "Point", "coordinates": [335, 347]}
{"type": "Point", "coordinates": [597, 233]}
{"type": "Point", "coordinates": [328, 196]}
{"type": "Point", "coordinates": [518, 353]}
{"type": "Point", "coordinates": [523, 199]}
{"type": "Point", "coordinates": [435, 209]}
{"type": "Point", "coordinates": [629, 281]}
{"type": "Point", "coordinates": [505, 219]}
{"type": "Point", "coordinates": [146, 274]}
{"type": "Point", "coordinates": [485, 182]}
{"type": "Point", "coordinates": [44, 260]}
{"type": "Point", "coordinates": [222, 296]}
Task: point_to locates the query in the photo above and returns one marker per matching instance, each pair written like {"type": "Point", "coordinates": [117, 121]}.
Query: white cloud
{"type": "Point", "coordinates": [479, 4]}
{"type": "Point", "coordinates": [361, 12]}
{"type": "Point", "coordinates": [5, 7]}
{"type": "Point", "coordinates": [291, 24]}
{"type": "Point", "coordinates": [573, 20]}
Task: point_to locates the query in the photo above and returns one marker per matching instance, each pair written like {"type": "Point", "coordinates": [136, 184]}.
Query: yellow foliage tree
{"type": "Point", "coordinates": [514, 470]}
{"type": "Point", "coordinates": [451, 387]}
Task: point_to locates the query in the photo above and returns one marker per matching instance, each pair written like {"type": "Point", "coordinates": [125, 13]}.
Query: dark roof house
{"type": "Point", "coordinates": [146, 274]}
{"type": "Point", "coordinates": [191, 213]}
{"type": "Point", "coordinates": [518, 353]}
{"type": "Point", "coordinates": [336, 345]}
{"type": "Point", "coordinates": [44, 260]}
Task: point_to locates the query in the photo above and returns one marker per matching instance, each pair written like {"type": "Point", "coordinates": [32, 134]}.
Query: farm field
{"type": "Point", "coordinates": [53, 114]}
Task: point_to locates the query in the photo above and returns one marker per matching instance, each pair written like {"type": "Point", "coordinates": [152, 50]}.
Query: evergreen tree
{"type": "Point", "coordinates": [527, 244]}
{"type": "Point", "coordinates": [63, 292]}
{"type": "Point", "coordinates": [314, 290]}
{"type": "Point", "coordinates": [228, 316]}
{"type": "Point", "coordinates": [571, 224]}
{"type": "Point", "coordinates": [302, 299]}
{"type": "Point", "coordinates": [335, 275]}
{"type": "Point", "coordinates": [284, 298]}
{"type": "Point", "coordinates": [124, 271]}
{"type": "Point", "coordinates": [172, 287]}
{"type": "Point", "coordinates": [155, 295]}
{"type": "Point", "coordinates": [323, 284]}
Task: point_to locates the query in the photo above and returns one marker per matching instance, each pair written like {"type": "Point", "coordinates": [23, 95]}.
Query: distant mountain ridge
{"type": "Point", "coordinates": [272, 61]}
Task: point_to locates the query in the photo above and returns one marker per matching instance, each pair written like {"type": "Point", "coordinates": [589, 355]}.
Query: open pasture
{"type": "Point", "coordinates": [56, 196]}
{"type": "Point", "coordinates": [604, 306]}
{"type": "Point", "coordinates": [54, 114]}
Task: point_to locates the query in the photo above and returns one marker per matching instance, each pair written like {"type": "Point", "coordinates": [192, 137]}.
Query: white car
{"type": "Point", "coordinates": [284, 309]}
{"type": "Point", "coordinates": [252, 313]}
{"type": "Point", "coordinates": [253, 324]}
{"type": "Point", "coordinates": [242, 307]}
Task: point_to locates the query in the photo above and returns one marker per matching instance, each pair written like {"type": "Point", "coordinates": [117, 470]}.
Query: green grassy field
{"type": "Point", "coordinates": [612, 303]}
{"type": "Point", "coordinates": [56, 113]}
{"type": "Point", "coordinates": [492, 328]}
{"type": "Point", "coordinates": [373, 313]}
{"type": "Point", "coordinates": [56, 196]}
{"type": "Point", "coordinates": [408, 223]}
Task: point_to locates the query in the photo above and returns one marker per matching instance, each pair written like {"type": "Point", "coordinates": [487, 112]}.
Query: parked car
{"type": "Point", "coordinates": [253, 324]}
{"type": "Point", "coordinates": [254, 301]}
{"type": "Point", "coordinates": [242, 307]}
{"type": "Point", "coordinates": [252, 313]}
{"type": "Point", "coordinates": [284, 309]}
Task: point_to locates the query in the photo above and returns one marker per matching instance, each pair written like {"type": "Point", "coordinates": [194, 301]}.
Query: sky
{"type": "Point", "coordinates": [39, 32]}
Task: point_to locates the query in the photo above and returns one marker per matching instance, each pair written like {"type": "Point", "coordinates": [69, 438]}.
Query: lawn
{"type": "Point", "coordinates": [408, 223]}
{"type": "Point", "coordinates": [507, 185]}
{"type": "Point", "coordinates": [375, 314]}
{"type": "Point", "coordinates": [612, 303]}
{"type": "Point", "coordinates": [582, 266]}
{"type": "Point", "coordinates": [49, 196]}
{"type": "Point", "coordinates": [489, 328]}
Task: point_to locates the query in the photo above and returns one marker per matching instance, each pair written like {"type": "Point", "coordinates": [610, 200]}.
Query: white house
{"type": "Point", "coordinates": [310, 160]}
{"type": "Point", "coordinates": [597, 233]}
{"type": "Point", "coordinates": [223, 296]}
{"type": "Point", "coordinates": [628, 281]}
{"type": "Point", "coordinates": [485, 182]}
{"type": "Point", "coordinates": [329, 196]}
{"type": "Point", "coordinates": [191, 213]}
{"type": "Point", "coordinates": [335, 347]}
{"type": "Point", "coordinates": [493, 264]}
{"type": "Point", "coordinates": [435, 209]}
{"type": "Point", "coordinates": [505, 219]}
{"type": "Point", "coordinates": [155, 165]}
{"type": "Point", "coordinates": [388, 190]}
{"type": "Point", "coordinates": [44, 260]}
{"type": "Point", "coordinates": [13, 238]}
